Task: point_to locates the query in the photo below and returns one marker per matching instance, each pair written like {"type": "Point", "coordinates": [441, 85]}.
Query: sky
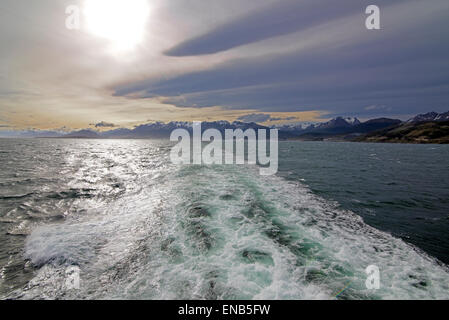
{"type": "Point", "coordinates": [270, 61]}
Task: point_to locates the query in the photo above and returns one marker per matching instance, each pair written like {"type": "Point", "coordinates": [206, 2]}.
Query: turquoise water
{"type": "Point", "coordinates": [140, 227]}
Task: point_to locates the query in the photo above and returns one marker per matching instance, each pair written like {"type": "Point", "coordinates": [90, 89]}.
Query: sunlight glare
{"type": "Point", "coordinates": [122, 22]}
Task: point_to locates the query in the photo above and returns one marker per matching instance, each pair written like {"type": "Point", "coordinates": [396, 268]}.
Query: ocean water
{"type": "Point", "coordinates": [138, 227]}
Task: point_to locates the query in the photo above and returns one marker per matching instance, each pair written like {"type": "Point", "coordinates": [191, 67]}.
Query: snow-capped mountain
{"type": "Point", "coordinates": [160, 130]}
{"type": "Point", "coordinates": [338, 123]}
{"type": "Point", "coordinates": [353, 121]}
{"type": "Point", "coordinates": [338, 126]}
{"type": "Point", "coordinates": [430, 116]}
{"type": "Point", "coordinates": [298, 126]}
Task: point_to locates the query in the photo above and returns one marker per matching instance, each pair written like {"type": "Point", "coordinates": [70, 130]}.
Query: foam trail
{"type": "Point", "coordinates": [225, 232]}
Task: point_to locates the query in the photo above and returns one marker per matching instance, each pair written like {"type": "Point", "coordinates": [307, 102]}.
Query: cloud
{"type": "Point", "coordinates": [378, 108]}
{"type": "Point", "coordinates": [338, 66]}
{"type": "Point", "coordinates": [263, 117]}
{"type": "Point", "coordinates": [255, 117]}
{"type": "Point", "coordinates": [283, 119]}
{"type": "Point", "coordinates": [277, 19]}
{"type": "Point", "coordinates": [103, 124]}
{"type": "Point", "coordinates": [233, 58]}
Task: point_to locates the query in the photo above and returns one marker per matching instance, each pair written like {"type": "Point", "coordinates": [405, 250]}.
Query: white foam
{"type": "Point", "coordinates": [144, 245]}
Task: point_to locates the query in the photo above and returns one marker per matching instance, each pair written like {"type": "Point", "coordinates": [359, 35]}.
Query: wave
{"type": "Point", "coordinates": [225, 232]}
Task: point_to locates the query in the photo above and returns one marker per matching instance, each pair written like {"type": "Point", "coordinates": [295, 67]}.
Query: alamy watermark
{"type": "Point", "coordinates": [373, 280]}
{"type": "Point", "coordinates": [236, 147]}
{"type": "Point", "coordinates": [373, 20]}
{"type": "Point", "coordinates": [73, 20]}
{"type": "Point", "coordinates": [72, 278]}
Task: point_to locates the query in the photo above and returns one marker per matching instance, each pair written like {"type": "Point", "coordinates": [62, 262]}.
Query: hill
{"type": "Point", "coordinates": [412, 132]}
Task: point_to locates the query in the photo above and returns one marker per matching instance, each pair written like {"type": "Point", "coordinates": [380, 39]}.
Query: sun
{"type": "Point", "coordinates": [121, 22]}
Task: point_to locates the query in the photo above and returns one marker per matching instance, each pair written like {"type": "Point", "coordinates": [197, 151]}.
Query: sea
{"type": "Point", "coordinates": [116, 219]}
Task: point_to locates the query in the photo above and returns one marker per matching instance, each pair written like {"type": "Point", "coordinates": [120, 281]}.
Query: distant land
{"type": "Point", "coordinates": [423, 132]}
{"type": "Point", "coordinates": [431, 127]}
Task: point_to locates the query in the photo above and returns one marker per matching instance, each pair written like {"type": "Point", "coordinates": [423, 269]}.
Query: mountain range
{"type": "Point", "coordinates": [339, 128]}
{"type": "Point", "coordinates": [431, 116]}
{"type": "Point", "coordinates": [431, 127]}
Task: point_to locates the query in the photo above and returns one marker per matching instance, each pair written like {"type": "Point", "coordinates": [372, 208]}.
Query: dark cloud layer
{"type": "Point", "coordinates": [403, 66]}
{"type": "Point", "coordinates": [280, 18]}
